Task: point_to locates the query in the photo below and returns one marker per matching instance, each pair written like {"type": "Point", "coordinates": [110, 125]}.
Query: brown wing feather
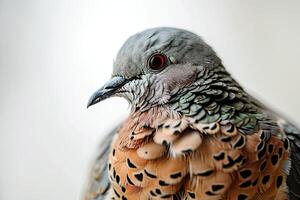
{"type": "Point", "coordinates": [293, 135]}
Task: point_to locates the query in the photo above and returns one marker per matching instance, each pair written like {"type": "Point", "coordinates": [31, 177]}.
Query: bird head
{"type": "Point", "coordinates": [153, 65]}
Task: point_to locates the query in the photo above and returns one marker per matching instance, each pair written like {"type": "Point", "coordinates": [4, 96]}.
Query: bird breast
{"type": "Point", "coordinates": [160, 154]}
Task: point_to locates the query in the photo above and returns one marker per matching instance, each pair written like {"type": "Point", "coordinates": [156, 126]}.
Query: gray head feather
{"type": "Point", "coordinates": [186, 54]}
{"type": "Point", "coordinates": [179, 45]}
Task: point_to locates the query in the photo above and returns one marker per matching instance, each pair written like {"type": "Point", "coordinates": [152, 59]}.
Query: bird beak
{"type": "Point", "coordinates": [108, 90]}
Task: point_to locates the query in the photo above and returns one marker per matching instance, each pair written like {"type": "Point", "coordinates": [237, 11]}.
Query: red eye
{"type": "Point", "coordinates": [157, 62]}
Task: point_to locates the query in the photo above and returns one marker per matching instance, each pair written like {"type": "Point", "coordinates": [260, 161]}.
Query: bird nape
{"type": "Point", "coordinates": [193, 131]}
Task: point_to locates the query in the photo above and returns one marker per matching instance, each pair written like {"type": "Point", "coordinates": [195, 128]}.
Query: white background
{"type": "Point", "coordinates": [54, 54]}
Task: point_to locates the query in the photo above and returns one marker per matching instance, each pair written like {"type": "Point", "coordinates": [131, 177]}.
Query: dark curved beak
{"type": "Point", "coordinates": [109, 89]}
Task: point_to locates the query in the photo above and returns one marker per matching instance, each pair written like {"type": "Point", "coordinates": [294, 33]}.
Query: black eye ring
{"type": "Point", "coordinates": [157, 62]}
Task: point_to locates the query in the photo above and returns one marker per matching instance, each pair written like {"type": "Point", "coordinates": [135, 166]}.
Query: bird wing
{"type": "Point", "coordinates": [293, 180]}
{"type": "Point", "coordinates": [98, 184]}
{"type": "Point", "coordinates": [293, 134]}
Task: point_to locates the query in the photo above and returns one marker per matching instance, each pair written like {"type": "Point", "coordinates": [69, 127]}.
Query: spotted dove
{"type": "Point", "coordinates": [193, 132]}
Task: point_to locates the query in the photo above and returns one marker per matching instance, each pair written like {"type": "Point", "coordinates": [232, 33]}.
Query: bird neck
{"type": "Point", "coordinates": [216, 96]}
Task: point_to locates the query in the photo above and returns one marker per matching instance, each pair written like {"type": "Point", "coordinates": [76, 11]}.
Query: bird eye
{"type": "Point", "coordinates": [157, 62]}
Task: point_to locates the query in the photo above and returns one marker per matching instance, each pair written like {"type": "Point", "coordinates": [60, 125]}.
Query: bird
{"type": "Point", "coordinates": [193, 131]}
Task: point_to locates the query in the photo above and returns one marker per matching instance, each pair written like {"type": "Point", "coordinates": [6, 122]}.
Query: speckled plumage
{"type": "Point", "coordinates": [193, 132]}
